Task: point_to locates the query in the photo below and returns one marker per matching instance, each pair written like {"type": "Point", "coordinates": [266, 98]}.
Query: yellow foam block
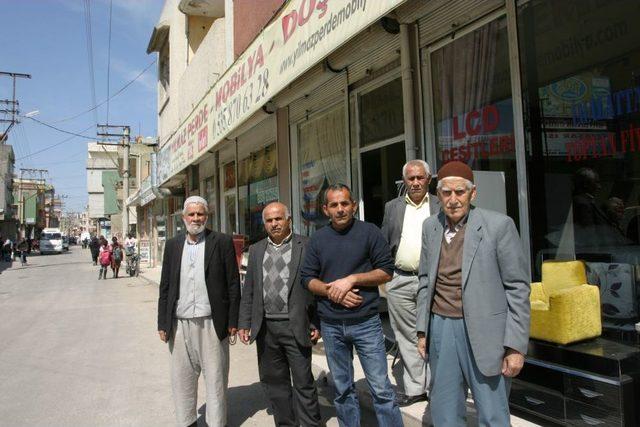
{"type": "Point", "coordinates": [557, 275]}
{"type": "Point", "coordinates": [573, 314]}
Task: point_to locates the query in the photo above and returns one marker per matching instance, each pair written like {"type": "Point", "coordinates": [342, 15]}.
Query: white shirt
{"type": "Point", "coordinates": [130, 242]}
{"type": "Point", "coordinates": [450, 232]}
{"type": "Point", "coordinates": [408, 253]}
{"type": "Point", "coordinates": [194, 298]}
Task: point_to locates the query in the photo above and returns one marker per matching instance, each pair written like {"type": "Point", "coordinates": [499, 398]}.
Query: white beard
{"type": "Point", "coordinates": [194, 229]}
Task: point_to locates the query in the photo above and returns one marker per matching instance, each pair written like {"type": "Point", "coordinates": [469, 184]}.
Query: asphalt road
{"type": "Point", "coordinates": [80, 351]}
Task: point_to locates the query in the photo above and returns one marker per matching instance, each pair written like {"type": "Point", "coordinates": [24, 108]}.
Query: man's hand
{"type": "Point", "coordinates": [315, 336]}
{"type": "Point", "coordinates": [163, 336]}
{"type": "Point", "coordinates": [422, 347]}
{"type": "Point", "coordinates": [352, 299]}
{"type": "Point", "coordinates": [339, 288]}
{"type": "Point", "coordinates": [245, 335]}
{"type": "Point", "coordinates": [512, 363]}
{"type": "Point", "coordinates": [232, 331]}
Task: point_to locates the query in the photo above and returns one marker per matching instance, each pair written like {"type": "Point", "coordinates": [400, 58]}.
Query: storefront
{"type": "Point", "coordinates": [541, 98]}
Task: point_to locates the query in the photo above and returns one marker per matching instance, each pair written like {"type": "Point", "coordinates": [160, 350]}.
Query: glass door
{"type": "Point", "coordinates": [380, 118]}
{"type": "Point", "coordinates": [471, 113]}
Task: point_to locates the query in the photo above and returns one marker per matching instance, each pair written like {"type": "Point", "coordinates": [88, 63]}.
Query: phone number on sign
{"type": "Point", "coordinates": [239, 105]}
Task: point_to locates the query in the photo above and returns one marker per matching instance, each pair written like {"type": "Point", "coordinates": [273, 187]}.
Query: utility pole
{"type": "Point", "coordinates": [13, 111]}
{"type": "Point", "coordinates": [126, 144]}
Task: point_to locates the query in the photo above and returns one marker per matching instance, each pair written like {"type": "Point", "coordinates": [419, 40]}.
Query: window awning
{"type": "Point", "coordinates": [160, 30]}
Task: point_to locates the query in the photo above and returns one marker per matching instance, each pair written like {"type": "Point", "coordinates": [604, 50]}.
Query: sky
{"type": "Point", "coordinates": [48, 39]}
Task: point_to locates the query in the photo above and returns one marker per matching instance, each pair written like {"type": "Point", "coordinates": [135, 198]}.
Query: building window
{"type": "Point", "coordinates": [322, 161]}
{"type": "Point", "coordinates": [164, 76]}
{"type": "Point", "coordinates": [197, 29]}
{"type": "Point", "coordinates": [580, 66]}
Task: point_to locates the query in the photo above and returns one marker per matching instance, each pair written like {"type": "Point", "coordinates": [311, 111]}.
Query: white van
{"type": "Point", "coordinates": [51, 241]}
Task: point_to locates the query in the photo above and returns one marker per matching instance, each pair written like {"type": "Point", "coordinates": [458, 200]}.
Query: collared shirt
{"type": "Point", "coordinates": [194, 299]}
{"type": "Point", "coordinates": [408, 253]}
{"type": "Point", "coordinates": [450, 232]}
{"type": "Point", "coordinates": [284, 242]}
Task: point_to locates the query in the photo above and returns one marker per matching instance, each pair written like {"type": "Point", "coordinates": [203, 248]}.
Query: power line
{"type": "Point", "coordinates": [89, 40]}
{"type": "Point", "coordinates": [62, 130]}
{"type": "Point", "coordinates": [56, 144]}
{"type": "Point", "coordinates": [122, 89]}
{"type": "Point", "coordinates": [109, 58]}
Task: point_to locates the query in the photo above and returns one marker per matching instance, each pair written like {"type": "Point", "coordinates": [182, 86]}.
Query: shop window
{"type": "Point", "coordinates": [229, 191]}
{"type": "Point", "coordinates": [257, 186]}
{"type": "Point", "coordinates": [473, 116]}
{"type": "Point", "coordinates": [194, 177]}
{"type": "Point", "coordinates": [321, 162]}
{"type": "Point", "coordinates": [210, 196]}
{"type": "Point", "coordinates": [580, 64]}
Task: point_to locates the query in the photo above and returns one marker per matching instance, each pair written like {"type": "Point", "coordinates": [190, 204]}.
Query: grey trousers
{"type": "Point", "coordinates": [195, 348]}
{"type": "Point", "coordinates": [453, 369]}
{"type": "Point", "coordinates": [402, 292]}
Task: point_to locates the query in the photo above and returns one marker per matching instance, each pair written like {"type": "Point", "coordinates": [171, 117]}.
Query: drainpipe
{"type": "Point", "coordinates": [411, 148]}
{"type": "Point", "coordinates": [160, 193]}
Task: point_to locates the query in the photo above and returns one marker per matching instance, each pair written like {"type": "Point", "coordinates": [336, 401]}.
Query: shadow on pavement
{"type": "Point", "coordinates": [4, 266]}
{"type": "Point", "coordinates": [243, 402]}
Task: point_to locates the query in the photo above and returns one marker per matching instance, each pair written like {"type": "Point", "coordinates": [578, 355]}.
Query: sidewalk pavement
{"type": "Point", "coordinates": [415, 415]}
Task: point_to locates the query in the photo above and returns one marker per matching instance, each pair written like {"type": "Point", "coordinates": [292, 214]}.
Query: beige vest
{"type": "Point", "coordinates": [447, 299]}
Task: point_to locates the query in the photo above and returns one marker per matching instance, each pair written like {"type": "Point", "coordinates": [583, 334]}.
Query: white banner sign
{"type": "Point", "coordinates": [305, 32]}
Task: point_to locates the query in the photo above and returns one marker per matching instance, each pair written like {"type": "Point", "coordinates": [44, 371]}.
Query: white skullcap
{"type": "Point", "coordinates": [195, 200]}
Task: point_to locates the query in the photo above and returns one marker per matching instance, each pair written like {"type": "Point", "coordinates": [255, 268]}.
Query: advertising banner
{"type": "Point", "coordinates": [305, 32]}
{"type": "Point", "coordinates": [145, 251]}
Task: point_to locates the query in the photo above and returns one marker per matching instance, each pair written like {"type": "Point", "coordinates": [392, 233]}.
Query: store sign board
{"type": "Point", "coordinates": [145, 251]}
{"type": "Point", "coordinates": [305, 32]}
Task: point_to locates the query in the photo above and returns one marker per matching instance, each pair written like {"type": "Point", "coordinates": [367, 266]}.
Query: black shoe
{"type": "Point", "coordinates": [410, 400]}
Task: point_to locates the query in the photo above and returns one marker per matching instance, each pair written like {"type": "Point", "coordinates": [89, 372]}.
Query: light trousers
{"type": "Point", "coordinates": [195, 348]}
{"type": "Point", "coordinates": [453, 369]}
{"type": "Point", "coordinates": [402, 292]}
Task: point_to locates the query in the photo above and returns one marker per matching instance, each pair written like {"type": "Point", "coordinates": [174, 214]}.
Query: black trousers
{"type": "Point", "coordinates": [282, 361]}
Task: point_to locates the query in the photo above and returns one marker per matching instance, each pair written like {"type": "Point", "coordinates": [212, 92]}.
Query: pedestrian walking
{"type": "Point", "coordinates": [94, 247]}
{"type": "Point", "coordinates": [402, 228]}
{"type": "Point", "coordinates": [6, 249]}
{"type": "Point", "coordinates": [344, 264]}
{"type": "Point", "coordinates": [198, 312]}
{"type": "Point", "coordinates": [279, 314]}
{"type": "Point", "coordinates": [116, 256]}
{"type": "Point", "coordinates": [105, 259]}
{"type": "Point", "coordinates": [23, 248]}
{"type": "Point", "coordinates": [473, 303]}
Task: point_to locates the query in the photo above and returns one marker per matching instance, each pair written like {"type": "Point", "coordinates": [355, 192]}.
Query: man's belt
{"type": "Point", "coordinates": [405, 272]}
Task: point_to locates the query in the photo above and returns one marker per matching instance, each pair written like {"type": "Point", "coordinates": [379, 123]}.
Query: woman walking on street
{"type": "Point", "coordinates": [116, 256]}
{"type": "Point", "coordinates": [94, 247]}
{"type": "Point", "coordinates": [105, 259]}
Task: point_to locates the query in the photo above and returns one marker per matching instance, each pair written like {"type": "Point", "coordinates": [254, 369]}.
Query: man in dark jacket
{"type": "Point", "coordinates": [279, 315]}
{"type": "Point", "coordinates": [197, 312]}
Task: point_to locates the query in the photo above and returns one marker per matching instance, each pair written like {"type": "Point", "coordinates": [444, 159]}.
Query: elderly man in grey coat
{"type": "Point", "coordinates": [402, 228]}
{"type": "Point", "coordinates": [473, 304]}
